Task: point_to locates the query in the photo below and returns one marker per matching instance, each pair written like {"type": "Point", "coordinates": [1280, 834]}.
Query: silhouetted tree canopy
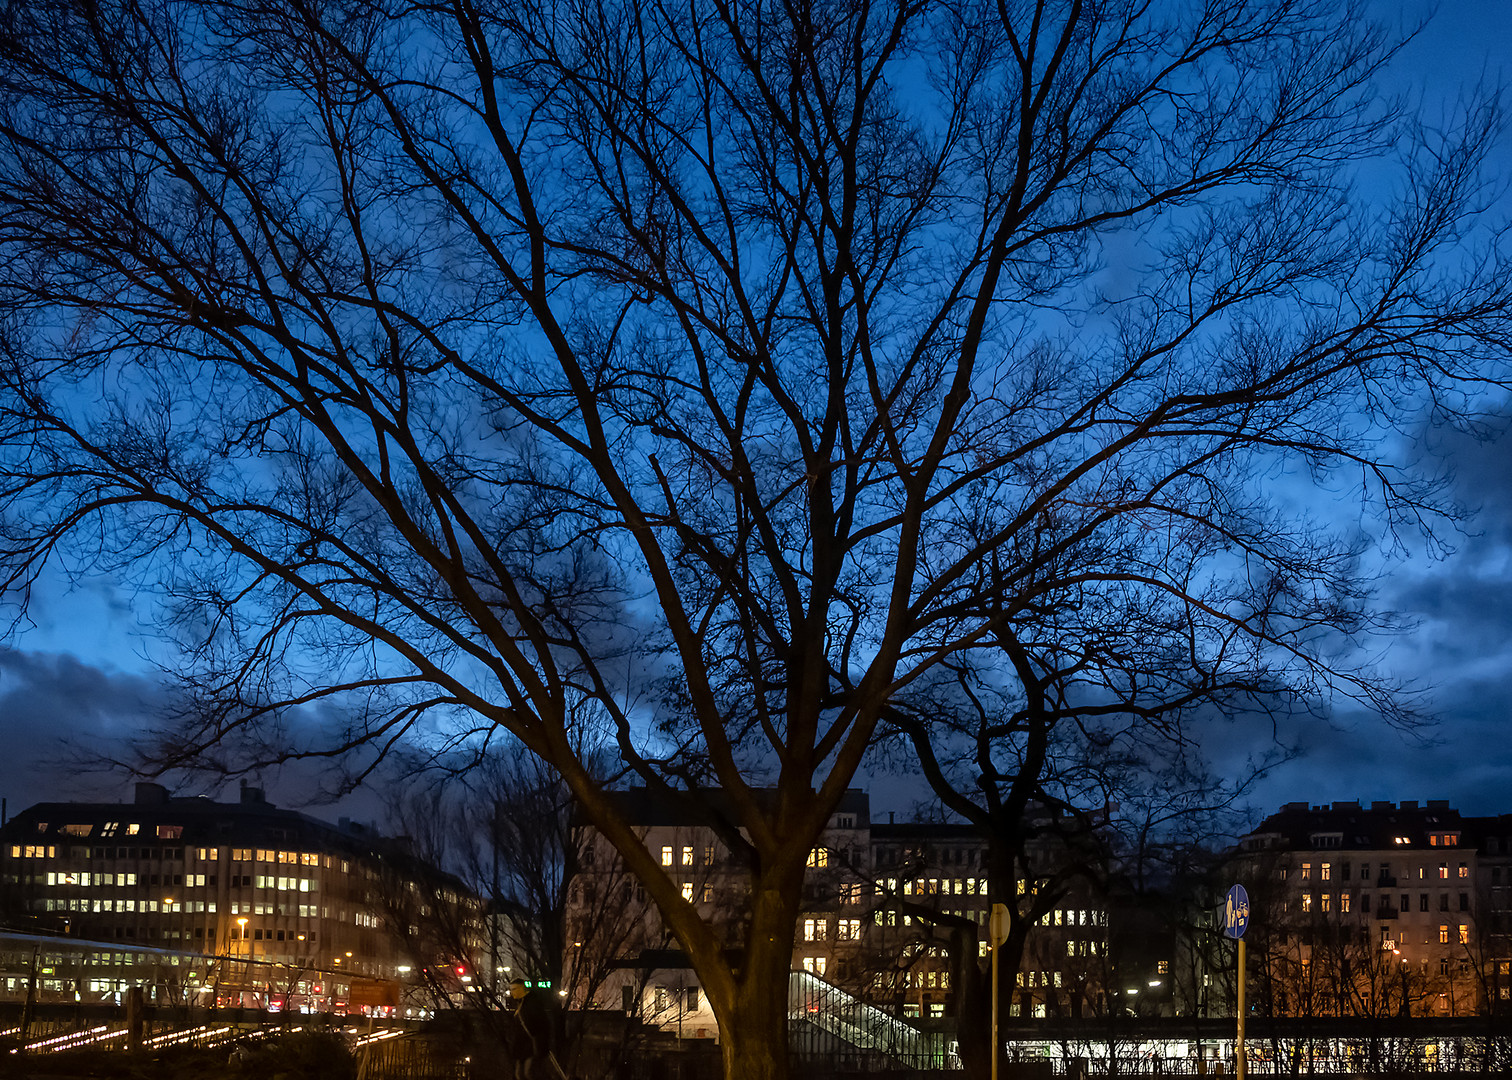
{"type": "Point", "coordinates": [718, 372]}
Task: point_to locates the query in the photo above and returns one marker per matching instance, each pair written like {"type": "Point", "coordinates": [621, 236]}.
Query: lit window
{"type": "Point", "coordinates": [1327, 904]}
{"type": "Point", "coordinates": [1344, 902]}
{"type": "Point", "coordinates": [1464, 871]}
{"type": "Point", "coordinates": [667, 855]}
{"type": "Point", "coordinates": [687, 856]}
{"type": "Point", "coordinates": [1443, 934]}
{"type": "Point", "coordinates": [1464, 934]}
{"type": "Point", "coordinates": [708, 854]}
{"type": "Point", "coordinates": [1307, 871]}
{"type": "Point", "coordinates": [1325, 871]}
{"type": "Point", "coordinates": [708, 893]}
{"type": "Point", "coordinates": [1443, 871]}
{"type": "Point", "coordinates": [687, 890]}
{"type": "Point", "coordinates": [1307, 901]}
{"type": "Point", "coordinates": [818, 857]}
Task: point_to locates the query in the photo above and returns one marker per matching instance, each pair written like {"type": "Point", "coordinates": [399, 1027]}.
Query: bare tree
{"type": "Point", "coordinates": [727, 367]}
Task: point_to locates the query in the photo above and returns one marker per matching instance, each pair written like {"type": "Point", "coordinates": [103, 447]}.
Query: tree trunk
{"type": "Point", "coordinates": [753, 1036]}
{"type": "Point", "coordinates": [755, 1044]}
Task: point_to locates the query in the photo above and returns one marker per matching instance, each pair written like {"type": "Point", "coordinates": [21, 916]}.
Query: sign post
{"type": "Point", "coordinates": [1236, 913]}
{"type": "Point", "coordinates": [997, 929]}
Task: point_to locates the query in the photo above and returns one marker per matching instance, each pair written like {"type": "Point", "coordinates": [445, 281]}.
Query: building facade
{"type": "Point", "coordinates": [1380, 909]}
{"type": "Point", "coordinates": [892, 915]}
{"type": "Point", "coordinates": [233, 903]}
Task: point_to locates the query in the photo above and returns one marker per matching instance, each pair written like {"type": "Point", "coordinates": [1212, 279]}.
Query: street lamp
{"type": "Point", "coordinates": [247, 946]}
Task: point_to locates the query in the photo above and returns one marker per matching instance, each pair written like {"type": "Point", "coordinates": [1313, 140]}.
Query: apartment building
{"type": "Point", "coordinates": [245, 901]}
{"type": "Point", "coordinates": [891, 913]}
{"type": "Point", "coordinates": [1380, 909]}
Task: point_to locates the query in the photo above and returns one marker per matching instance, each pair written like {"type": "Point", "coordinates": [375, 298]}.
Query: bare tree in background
{"type": "Point", "coordinates": [505, 824]}
{"type": "Point", "coordinates": [728, 368]}
{"type": "Point", "coordinates": [1081, 774]}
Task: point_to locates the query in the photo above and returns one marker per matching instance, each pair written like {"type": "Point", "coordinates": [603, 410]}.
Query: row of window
{"type": "Point", "coordinates": [253, 933]}
{"type": "Point", "coordinates": [933, 887]}
{"type": "Point", "coordinates": [113, 828]}
{"type": "Point", "coordinates": [818, 929]}
{"type": "Point", "coordinates": [895, 855]}
{"type": "Point", "coordinates": [1325, 871]}
{"type": "Point", "coordinates": [1325, 902]}
{"type": "Point", "coordinates": [889, 917]}
{"type": "Point", "coordinates": [264, 855]}
{"type": "Point", "coordinates": [669, 852]}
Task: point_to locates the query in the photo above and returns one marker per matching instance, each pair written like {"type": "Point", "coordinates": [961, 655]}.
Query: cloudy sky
{"type": "Point", "coordinates": [78, 676]}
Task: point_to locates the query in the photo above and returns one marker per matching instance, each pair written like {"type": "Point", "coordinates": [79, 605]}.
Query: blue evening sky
{"type": "Point", "coordinates": [81, 673]}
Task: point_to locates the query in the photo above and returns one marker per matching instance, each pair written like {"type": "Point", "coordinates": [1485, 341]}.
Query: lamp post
{"type": "Point", "coordinates": [241, 924]}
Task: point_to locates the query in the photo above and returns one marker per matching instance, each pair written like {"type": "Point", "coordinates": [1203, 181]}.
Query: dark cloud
{"type": "Point", "coordinates": [56, 711]}
{"type": "Point", "coordinates": [54, 706]}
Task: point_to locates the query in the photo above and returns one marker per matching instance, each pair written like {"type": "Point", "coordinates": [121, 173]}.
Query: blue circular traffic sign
{"type": "Point", "coordinates": [1236, 912]}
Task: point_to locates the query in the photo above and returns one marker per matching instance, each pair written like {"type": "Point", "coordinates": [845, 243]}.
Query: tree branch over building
{"type": "Point", "coordinates": [718, 373]}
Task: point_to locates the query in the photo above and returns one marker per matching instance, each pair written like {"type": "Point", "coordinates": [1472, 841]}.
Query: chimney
{"type": "Point", "coordinates": [149, 794]}
{"type": "Point", "coordinates": [1409, 804]}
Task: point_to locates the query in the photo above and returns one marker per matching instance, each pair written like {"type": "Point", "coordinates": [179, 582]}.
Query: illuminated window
{"type": "Point", "coordinates": [708, 854]}
{"type": "Point", "coordinates": [1307, 901]}
{"type": "Point", "coordinates": [1464, 937]}
{"type": "Point", "coordinates": [1344, 902]}
{"type": "Point", "coordinates": [848, 930]}
{"type": "Point", "coordinates": [687, 856]}
{"type": "Point", "coordinates": [687, 890]}
{"type": "Point", "coordinates": [818, 857]}
{"type": "Point", "coordinates": [1443, 934]}
{"type": "Point", "coordinates": [708, 893]}
{"type": "Point", "coordinates": [1464, 871]}
{"type": "Point", "coordinates": [1327, 902]}
{"type": "Point", "coordinates": [1325, 871]}
{"type": "Point", "coordinates": [667, 855]}
{"type": "Point", "coordinates": [1307, 871]}
{"type": "Point", "coordinates": [1443, 871]}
